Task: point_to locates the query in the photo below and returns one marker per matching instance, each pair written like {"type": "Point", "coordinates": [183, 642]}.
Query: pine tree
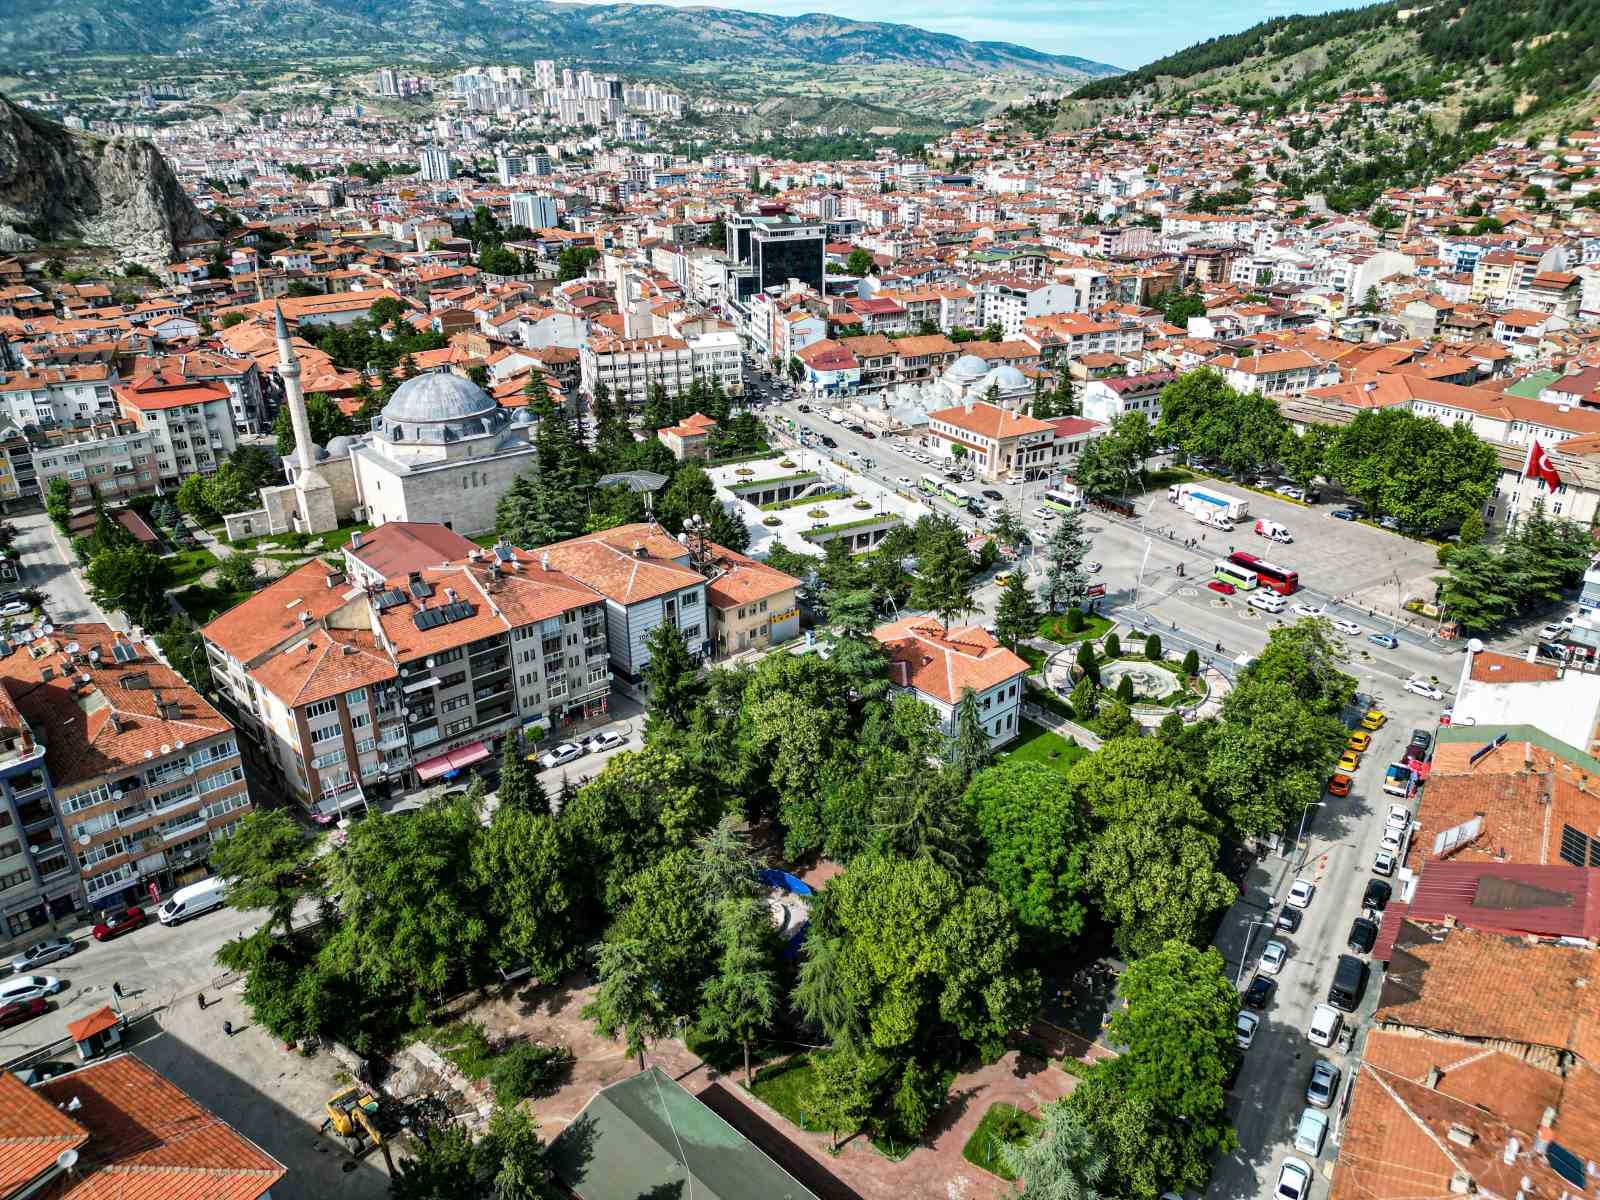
{"type": "Point", "coordinates": [1016, 617]}
{"type": "Point", "coordinates": [520, 787]}
{"type": "Point", "coordinates": [657, 412]}
{"type": "Point", "coordinates": [970, 751]}
{"type": "Point", "coordinates": [1065, 582]}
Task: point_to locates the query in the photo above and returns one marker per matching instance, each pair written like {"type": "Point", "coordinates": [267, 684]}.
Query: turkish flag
{"type": "Point", "coordinates": [1540, 467]}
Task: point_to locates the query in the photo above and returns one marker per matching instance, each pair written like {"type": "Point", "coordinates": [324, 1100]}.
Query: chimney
{"type": "Point", "coordinates": [305, 620]}
{"type": "Point", "coordinates": [335, 579]}
{"type": "Point", "coordinates": [355, 540]}
{"type": "Point", "coordinates": [1460, 1183]}
{"type": "Point", "coordinates": [1434, 1075]}
{"type": "Point", "coordinates": [639, 550]}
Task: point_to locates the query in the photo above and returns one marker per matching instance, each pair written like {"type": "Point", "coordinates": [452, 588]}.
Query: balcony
{"type": "Point", "coordinates": [194, 825]}
{"type": "Point", "coordinates": [174, 802]}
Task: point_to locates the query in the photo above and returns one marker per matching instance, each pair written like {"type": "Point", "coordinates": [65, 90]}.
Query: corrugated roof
{"type": "Point", "coordinates": [1545, 901]}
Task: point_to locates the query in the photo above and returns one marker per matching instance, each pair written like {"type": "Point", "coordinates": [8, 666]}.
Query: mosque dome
{"type": "Point", "coordinates": [966, 369]}
{"type": "Point", "coordinates": [437, 396]}
{"type": "Point", "coordinates": [339, 447]}
{"type": "Point", "coordinates": [1007, 378]}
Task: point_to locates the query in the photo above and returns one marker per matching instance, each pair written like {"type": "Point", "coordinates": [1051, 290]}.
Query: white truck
{"type": "Point", "coordinates": [1207, 505]}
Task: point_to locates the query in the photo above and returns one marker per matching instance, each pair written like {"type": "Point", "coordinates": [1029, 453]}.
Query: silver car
{"type": "Point", "coordinates": [1324, 1085]}
{"type": "Point", "coordinates": [48, 951]}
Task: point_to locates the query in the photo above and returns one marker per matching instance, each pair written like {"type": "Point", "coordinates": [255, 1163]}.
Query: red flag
{"type": "Point", "coordinates": [1539, 466]}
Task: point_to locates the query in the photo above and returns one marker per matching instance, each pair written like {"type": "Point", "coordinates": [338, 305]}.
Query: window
{"type": "Point", "coordinates": [326, 734]}
{"type": "Point", "coordinates": [321, 708]}
{"type": "Point", "coordinates": [456, 727]}
{"type": "Point", "coordinates": [359, 696]}
{"type": "Point", "coordinates": [360, 721]}
{"type": "Point", "coordinates": [454, 679]}
{"type": "Point", "coordinates": [366, 744]}
{"type": "Point", "coordinates": [12, 878]}
{"type": "Point", "coordinates": [327, 760]}
{"type": "Point", "coordinates": [222, 779]}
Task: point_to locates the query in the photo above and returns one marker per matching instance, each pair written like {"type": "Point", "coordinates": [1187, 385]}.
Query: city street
{"type": "Point", "coordinates": [45, 557]}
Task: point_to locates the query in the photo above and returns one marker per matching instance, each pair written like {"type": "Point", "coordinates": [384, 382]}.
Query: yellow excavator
{"type": "Point", "coordinates": [353, 1118]}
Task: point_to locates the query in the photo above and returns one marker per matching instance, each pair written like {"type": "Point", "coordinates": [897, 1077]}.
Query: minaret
{"type": "Point", "coordinates": [289, 372]}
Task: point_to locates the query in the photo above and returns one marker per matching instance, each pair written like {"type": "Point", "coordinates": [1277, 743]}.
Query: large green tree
{"type": "Point", "coordinates": [1036, 839]}
{"type": "Point", "coordinates": [795, 715]}
{"type": "Point", "coordinates": [268, 863]}
{"type": "Point", "coordinates": [530, 883]}
{"type": "Point", "coordinates": [132, 580]}
{"type": "Point", "coordinates": [945, 567]}
{"type": "Point", "coordinates": [740, 999]}
{"type": "Point", "coordinates": [671, 679]}
{"type": "Point", "coordinates": [1065, 582]}
{"type": "Point", "coordinates": [1063, 1162]}
{"type": "Point", "coordinates": [1016, 616]}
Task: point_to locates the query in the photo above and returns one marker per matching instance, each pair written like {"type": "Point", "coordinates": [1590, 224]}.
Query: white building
{"type": "Point", "coordinates": [939, 666]}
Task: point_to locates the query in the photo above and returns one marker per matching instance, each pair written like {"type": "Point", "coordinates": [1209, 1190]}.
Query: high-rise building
{"type": "Point", "coordinates": [533, 212]}
{"type": "Point", "coordinates": [540, 163]}
{"type": "Point", "coordinates": [508, 166]}
{"type": "Point", "coordinates": [777, 247]}
{"type": "Point", "coordinates": [435, 163]}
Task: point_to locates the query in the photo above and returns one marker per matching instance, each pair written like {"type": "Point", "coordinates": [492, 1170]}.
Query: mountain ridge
{"type": "Point", "coordinates": [623, 33]}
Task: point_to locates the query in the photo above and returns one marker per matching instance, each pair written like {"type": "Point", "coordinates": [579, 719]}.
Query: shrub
{"type": "Point", "coordinates": [1152, 647]}
{"type": "Point", "coordinates": [1087, 663]}
{"type": "Point", "coordinates": [526, 1069]}
{"type": "Point", "coordinates": [1074, 620]}
{"type": "Point", "coordinates": [465, 1046]}
{"type": "Point", "coordinates": [1125, 689]}
{"type": "Point", "coordinates": [1191, 664]}
{"type": "Point", "coordinates": [1113, 645]}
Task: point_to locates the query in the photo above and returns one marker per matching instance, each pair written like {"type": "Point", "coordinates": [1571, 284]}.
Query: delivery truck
{"type": "Point", "coordinates": [1207, 504]}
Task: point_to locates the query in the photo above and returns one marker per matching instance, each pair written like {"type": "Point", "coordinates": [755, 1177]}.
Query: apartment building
{"type": "Point", "coordinates": [716, 357]}
{"type": "Point", "coordinates": [112, 460]}
{"type": "Point", "coordinates": [47, 396]}
{"type": "Point", "coordinates": [1009, 302]}
{"type": "Point", "coordinates": [144, 773]}
{"type": "Point", "coordinates": [38, 878]}
{"type": "Point", "coordinates": [359, 689]}
{"type": "Point", "coordinates": [753, 606]}
{"type": "Point", "coordinates": [630, 367]}
{"type": "Point", "coordinates": [190, 422]}
{"type": "Point", "coordinates": [1077, 334]}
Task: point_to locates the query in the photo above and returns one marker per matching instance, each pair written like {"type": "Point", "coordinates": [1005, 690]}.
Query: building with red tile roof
{"type": "Point", "coordinates": [940, 666]}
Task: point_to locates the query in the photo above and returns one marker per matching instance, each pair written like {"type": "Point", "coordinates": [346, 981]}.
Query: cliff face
{"type": "Point", "coordinates": [60, 186]}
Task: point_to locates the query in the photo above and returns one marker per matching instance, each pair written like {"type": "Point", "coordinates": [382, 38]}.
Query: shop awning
{"type": "Point", "coordinates": [453, 760]}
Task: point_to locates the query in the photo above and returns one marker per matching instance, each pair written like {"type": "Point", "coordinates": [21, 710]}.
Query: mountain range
{"type": "Point", "coordinates": [621, 35]}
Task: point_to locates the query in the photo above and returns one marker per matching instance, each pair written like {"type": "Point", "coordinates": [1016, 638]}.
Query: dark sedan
{"type": "Point", "coordinates": [1377, 894]}
{"type": "Point", "coordinates": [1363, 935]}
{"type": "Point", "coordinates": [1259, 991]}
{"type": "Point", "coordinates": [1288, 919]}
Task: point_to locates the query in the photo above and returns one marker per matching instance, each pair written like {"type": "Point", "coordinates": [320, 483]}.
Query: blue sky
{"type": "Point", "coordinates": [1125, 33]}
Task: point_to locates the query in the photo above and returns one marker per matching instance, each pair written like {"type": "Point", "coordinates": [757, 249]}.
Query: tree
{"type": "Point", "coordinates": [326, 419]}
{"type": "Point", "coordinates": [741, 998]}
{"type": "Point", "coordinates": [1370, 304]}
{"type": "Point", "coordinates": [1007, 528]}
{"type": "Point", "coordinates": [794, 716]}
{"type": "Point", "coordinates": [692, 495]}
{"type": "Point", "coordinates": [133, 580]}
{"type": "Point", "coordinates": [58, 502]}
{"type": "Point", "coordinates": [237, 572]}
{"type": "Point", "coordinates": [1065, 582]}
{"type": "Point", "coordinates": [1088, 661]}
{"type": "Point", "coordinates": [671, 679]}
{"type": "Point", "coordinates": [194, 499]}
{"type": "Point", "coordinates": [629, 998]}
{"type": "Point", "coordinates": [1016, 617]}
{"type": "Point", "coordinates": [1153, 863]}
{"type": "Point", "coordinates": [520, 788]}
{"type": "Point", "coordinates": [508, 1163]}
{"type": "Point", "coordinates": [1036, 836]}
{"type": "Point", "coordinates": [970, 751]}
{"type": "Point", "coordinates": [268, 863]}
{"type": "Point", "coordinates": [725, 869]}
{"type": "Point", "coordinates": [523, 866]}
{"type": "Point", "coordinates": [1152, 647]}
{"type": "Point", "coordinates": [1063, 1163]}
{"type": "Point", "coordinates": [840, 1097]}
{"type": "Point", "coordinates": [943, 584]}
{"type": "Point", "coordinates": [860, 262]}
{"type": "Point", "coordinates": [574, 261]}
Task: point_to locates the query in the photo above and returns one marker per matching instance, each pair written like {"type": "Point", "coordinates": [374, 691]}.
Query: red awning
{"type": "Point", "coordinates": [451, 760]}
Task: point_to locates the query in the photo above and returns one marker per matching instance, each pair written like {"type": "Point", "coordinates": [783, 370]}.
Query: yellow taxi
{"type": "Point", "coordinates": [1002, 579]}
{"type": "Point", "coordinates": [1374, 719]}
{"type": "Point", "coordinates": [1359, 741]}
{"type": "Point", "coordinates": [1349, 761]}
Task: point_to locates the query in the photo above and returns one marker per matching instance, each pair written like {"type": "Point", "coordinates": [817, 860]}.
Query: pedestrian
{"type": "Point", "coordinates": [227, 1028]}
{"type": "Point", "coordinates": [202, 998]}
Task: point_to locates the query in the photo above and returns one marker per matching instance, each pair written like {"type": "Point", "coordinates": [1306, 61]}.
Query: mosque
{"type": "Point", "coordinates": [441, 450]}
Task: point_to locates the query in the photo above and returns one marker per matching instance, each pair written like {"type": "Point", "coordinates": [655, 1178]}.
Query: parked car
{"type": "Point", "coordinates": [1324, 1027]}
{"type": "Point", "coordinates": [1398, 818]}
{"type": "Point", "coordinates": [1377, 894]}
{"type": "Point", "coordinates": [1420, 746]}
{"type": "Point", "coordinates": [1288, 920]}
{"type": "Point", "coordinates": [1421, 687]}
{"type": "Point", "coordinates": [1294, 1180]}
{"type": "Point", "coordinates": [991, 494]}
{"type": "Point", "coordinates": [1221, 587]}
{"type": "Point", "coordinates": [118, 923]}
{"type": "Point", "coordinates": [1300, 893]}
{"type": "Point", "coordinates": [14, 1012]}
{"type": "Point", "coordinates": [1244, 1029]}
{"type": "Point", "coordinates": [1309, 1133]}
{"type": "Point", "coordinates": [1391, 523]}
{"type": "Point", "coordinates": [48, 951]}
{"type": "Point", "coordinates": [1259, 992]}
{"type": "Point", "coordinates": [1324, 1086]}
{"type": "Point", "coordinates": [1374, 719]}
{"type": "Point", "coordinates": [1387, 640]}
{"type": "Point", "coordinates": [606, 739]}
{"type": "Point", "coordinates": [1273, 955]}
{"type": "Point", "coordinates": [1309, 610]}
{"type": "Point", "coordinates": [560, 755]}
{"type": "Point", "coordinates": [1349, 628]}
{"type": "Point", "coordinates": [905, 481]}
{"type": "Point", "coordinates": [1545, 634]}
{"type": "Point", "coordinates": [1392, 840]}
{"type": "Point", "coordinates": [1339, 784]}
{"type": "Point", "coordinates": [1383, 862]}
{"type": "Point", "coordinates": [1349, 762]}
{"type": "Point", "coordinates": [1345, 514]}
{"type": "Point", "coordinates": [1044, 514]}
{"type": "Point", "coordinates": [27, 987]}
{"type": "Point", "coordinates": [1359, 741]}
{"type": "Point", "coordinates": [14, 609]}
{"type": "Point", "coordinates": [1363, 935]}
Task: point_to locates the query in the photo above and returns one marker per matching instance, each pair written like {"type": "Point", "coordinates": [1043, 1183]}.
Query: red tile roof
{"type": "Point", "coordinates": [327, 662]}
{"type": "Point", "coordinates": [272, 615]}
{"type": "Point", "coordinates": [100, 1020]}
{"type": "Point", "coordinates": [944, 664]}
{"type": "Point", "coordinates": [397, 547]}
{"type": "Point", "coordinates": [32, 1132]}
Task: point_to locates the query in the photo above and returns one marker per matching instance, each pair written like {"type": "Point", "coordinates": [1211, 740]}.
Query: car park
{"type": "Point", "coordinates": [1349, 628]}
{"type": "Point", "coordinates": [1324, 1086]}
{"type": "Point", "coordinates": [48, 951]}
{"type": "Point", "coordinates": [1221, 587]}
{"type": "Point", "coordinates": [1309, 1133]}
{"type": "Point", "coordinates": [14, 1012]}
{"type": "Point", "coordinates": [1421, 687]}
{"type": "Point", "coordinates": [1294, 1180]}
{"type": "Point", "coordinates": [1288, 920]}
{"type": "Point", "coordinates": [1324, 1027]}
{"type": "Point", "coordinates": [1363, 935]}
{"type": "Point", "coordinates": [119, 922]}
{"type": "Point", "coordinates": [1244, 1029]}
{"type": "Point", "coordinates": [1259, 992]}
{"type": "Point", "coordinates": [1387, 640]}
{"type": "Point", "coordinates": [1374, 719]}
{"type": "Point", "coordinates": [1339, 784]}
{"type": "Point", "coordinates": [560, 755]}
{"type": "Point", "coordinates": [1383, 862]}
{"type": "Point", "coordinates": [606, 739]}
{"type": "Point", "coordinates": [1300, 893]}
{"type": "Point", "coordinates": [1377, 895]}
{"type": "Point", "coordinates": [1273, 955]}
{"type": "Point", "coordinates": [1349, 762]}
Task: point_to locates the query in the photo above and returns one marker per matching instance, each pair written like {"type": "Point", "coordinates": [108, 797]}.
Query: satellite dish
{"type": "Point", "coordinates": [83, 839]}
{"type": "Point", "coordinates": [67, 1159]}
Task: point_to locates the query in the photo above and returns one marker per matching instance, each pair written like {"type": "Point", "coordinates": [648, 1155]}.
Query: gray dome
{"type": "Point", "coordinates": [522, 416]}
{"type": "Point", "coordinates": [437, 396]}
{"type": "Point", "coordinates": [339, 447]}
{"type": "Point", "coordinates": [968, 366]}
{"type": "Point", "coordinates": [1007, 378]}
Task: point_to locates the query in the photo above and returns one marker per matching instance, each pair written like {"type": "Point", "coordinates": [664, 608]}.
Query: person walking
{"type": "Point", "coordinates": [201, 997]}
{"type": "Point", "coordinates": [227, 1028]}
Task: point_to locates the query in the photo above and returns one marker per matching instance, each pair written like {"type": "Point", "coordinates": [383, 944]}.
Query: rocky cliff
{"type": "Point", "coordinates": [119, 194]}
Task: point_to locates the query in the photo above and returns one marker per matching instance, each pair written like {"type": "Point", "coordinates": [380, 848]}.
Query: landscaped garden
{"type": "Point", "coordinates": [1074, 625]}
{"type": "Point", "coordinates": [1003, 1125]}
{"type": "Point", "coordinates": [1035, 744]}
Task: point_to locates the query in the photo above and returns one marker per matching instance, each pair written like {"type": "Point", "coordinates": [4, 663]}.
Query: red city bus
{"type": "Point", "coordinates": [1280, 579]}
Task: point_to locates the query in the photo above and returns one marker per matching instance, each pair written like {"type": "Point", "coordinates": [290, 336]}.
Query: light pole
{"type": "Point", "coordinates": [1244, 956]}
{"type": "Point", "coordinates": [1299, 837]}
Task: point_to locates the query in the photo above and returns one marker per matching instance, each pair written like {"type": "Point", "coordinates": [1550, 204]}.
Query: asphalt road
{"type": "Point", "coordinates": [44, 558]}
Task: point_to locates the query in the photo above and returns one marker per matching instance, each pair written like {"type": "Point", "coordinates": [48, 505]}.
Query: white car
{"type": "Point", "coordinates": [1273, 955]}
{"type": "Point", "coordinates": [1092, 567]}
{"type": "Point", "coordinates": [1399, 818]}
{"type": "Point", "coordinates": [1044, 514]}
{"type": "Point", "coordinates": [1421, 687]}
{"type": "Point", "coordinates": [905, 481]}
{"type": "Point", "coordinates": [1324, 1027]}
{"type": "Point", "coordinates": [560, 755]}
{"type": "Point", "coordinates": [1294, 1180]}
{"type": "Point", "coordinates": [1309, 610]}
{"type": "Point", "coordinates": [15, 609]}
{"type": "Point", "coordinates": [1383, 862]}
{"type": "Point", "coordinates": [1244, 1029]}
{"type": "Point", "coordinates": [1300, 893]}
{"type": "Point", "coordinates": [1348, 628]}
{"type": "Point", "coordinates": [606, 739]}
{"type": "Point", "coordinates": [1391, 839]}
{"type": "Point", "coordinates": [28, 987]}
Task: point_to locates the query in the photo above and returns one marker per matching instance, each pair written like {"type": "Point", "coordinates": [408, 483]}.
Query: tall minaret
{"type": "Point", "coordinates": [289, 372]}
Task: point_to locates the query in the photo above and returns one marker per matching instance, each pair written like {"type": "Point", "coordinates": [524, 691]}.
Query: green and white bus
{"type": "Point", "coordinates": [930, 485]}
{"type": "Point", "coordinates": [1233, 573]}
{"type": "Point", "coordinates": [1061, 501]}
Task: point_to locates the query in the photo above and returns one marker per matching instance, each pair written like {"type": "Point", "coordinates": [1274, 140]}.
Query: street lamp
{"type": "Point", "coordinates": [1244, 957]}
{"type": "Point", "coordinates": [1299, 837]}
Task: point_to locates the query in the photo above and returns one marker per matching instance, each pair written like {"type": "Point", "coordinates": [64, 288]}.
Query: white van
{"type": "Point", "coordinates": [1268, 602]}
{"type": "Point", "coordinates": [193, 900]}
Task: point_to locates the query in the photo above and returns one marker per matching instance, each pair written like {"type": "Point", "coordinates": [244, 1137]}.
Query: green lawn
{"type": "Point", "coordinates": [784, 1085]}
{"type": "Point", "coordinates": [1003, 1124]}
{"type": "Point", "coordinates": [1054, 627]}
{"type": "Point", "coordinates": [188, 565]}
{"type": "Point", "coordinates": [303, 541]}
{"type": "Point", "coordinates": [1034, 744]}
{"type": "Point", "coordinates": [1032, 655]}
